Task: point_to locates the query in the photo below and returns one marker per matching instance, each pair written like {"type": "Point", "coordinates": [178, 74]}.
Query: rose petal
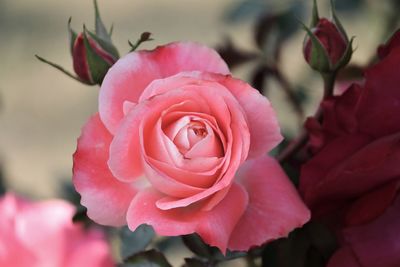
{"type": "Point", "coordinates": [274, 209]}
{"type": "Point", "coordinates": [261, 118]}
{"type": "Point", "coordinates": [362, 169]}
{"type": "Point", "coordinates": [344, 257]}
{"type": "Point", "coordinates": [191, 178]}
{"type": "Point", "coordinates": [126, 149]}
{"type": "Point", "coordinates": [377, 243]}
{"type": "Point", "coordinates": [380, 100]}
{"type": "Point", "coordinates": [372, 205]}
{"type": "Point", "coordinates": [93, 179]}
{"type": "Point", "coordinates": [213, 226]}
{"type": "Point", "coordinates": [130, 75]}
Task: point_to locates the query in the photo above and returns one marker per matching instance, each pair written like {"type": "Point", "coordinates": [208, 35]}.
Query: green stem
{"type": "Point", "coordinates": [329, 84]}
{"type": "Point", "coordinates": [62, 70]}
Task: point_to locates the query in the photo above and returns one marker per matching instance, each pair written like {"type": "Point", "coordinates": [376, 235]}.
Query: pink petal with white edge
{"type": "Point", "coordinates": [215, 226]}
{"type": "Point", "coordinates": [130, 75]}
{"type": "Point", "coordinates": [106, 198]}
{"type": "Point", "coordinates": [274, 209]}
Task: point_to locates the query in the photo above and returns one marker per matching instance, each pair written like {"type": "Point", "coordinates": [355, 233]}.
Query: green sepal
{"type": "Point", "coordinates": [98, 67]}
{"type": "Point", "coordinates": [319, 59]}
{"type": "Point", "coordinates": [337, 21]}
{"type": "Point", "coordinates": [346, 56]}
{"type": "Point", "coordinates": [110, 32]}
{"type": "Point", "coordinates": [54, 65]}
{"type": "Point", "coordinates": [144, 37]}
{"type": "Point", "coordinates": [315, 15]}
{"type": "Point", "coordinates": [109, 47]}
{"type": "Point", "coordinates": [100, 28]}
{"type": "Point", "coordinates": [71, 35]}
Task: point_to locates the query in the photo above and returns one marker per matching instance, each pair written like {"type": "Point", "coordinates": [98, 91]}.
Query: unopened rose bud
{"type": "Point", "coordinates": [326, 46]}
{"type": "Point", "coordinates": [92, 53]}
{"type": "Point", "coordinates": [332, 40]}
{"type": "Point", "coordinates": [92, 57]}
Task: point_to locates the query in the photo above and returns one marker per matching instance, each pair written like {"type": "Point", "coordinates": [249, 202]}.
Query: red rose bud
{"type": "Point", "coordinates": [92, 57]}
{"type": "Point", "coordinates": [92, 53]}
{"type": "Point", "coordinates": [326, 46]}
{"type": "Point", "coordinates": [331, 39]}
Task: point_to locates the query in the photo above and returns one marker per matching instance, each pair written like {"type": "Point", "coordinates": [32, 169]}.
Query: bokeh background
{"type": "Point", "coordinates": [42, 110]}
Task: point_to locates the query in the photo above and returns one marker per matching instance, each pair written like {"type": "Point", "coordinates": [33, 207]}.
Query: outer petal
{"type": "Point", "coordinates": [363, 170]}
{"type": "Point", "coordinates": [214, 226]}
{"type": "Point", "coordinates": [377, 243]}
{"type": "Point", "coordinates": [127, 79]}
{"type": "Point", "coordinates": [275, 207]}
{"type": "Point", "coordinates": [106, 198]}
{"type": "Point", "coordinates": [344, 257]}
{"type": "Point", "coordinates": [261, 118]}
{"type": "Point", "coordinates": [380, 100]}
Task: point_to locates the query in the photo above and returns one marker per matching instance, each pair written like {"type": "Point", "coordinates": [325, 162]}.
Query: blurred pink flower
{"type": "Point", "coordinates": [41, 234]}
{"type": "Point", "coordinates": [172, 131]}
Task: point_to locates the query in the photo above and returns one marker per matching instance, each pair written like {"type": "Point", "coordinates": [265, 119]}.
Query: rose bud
{"type": "Point", "coordinates": [326, 46]}
{"type": "Point", "coordinates": [92, 53]}
{"type": "Point", "coordinates": [92, 56]}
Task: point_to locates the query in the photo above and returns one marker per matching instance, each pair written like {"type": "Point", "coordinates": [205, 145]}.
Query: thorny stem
{"type": "Point", "coordinates": [302, 139]}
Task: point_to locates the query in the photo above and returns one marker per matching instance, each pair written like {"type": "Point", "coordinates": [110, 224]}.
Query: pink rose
{"type": "Point", "coordinates": [172, 131]}
{"type": "Point", "coordinates": [41, 234]}
{"type": "Point", "coordinates": [353, 178]}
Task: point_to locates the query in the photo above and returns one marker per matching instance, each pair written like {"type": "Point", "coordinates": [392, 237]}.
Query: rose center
{"type": "Point", "coordinates": [198, 128]}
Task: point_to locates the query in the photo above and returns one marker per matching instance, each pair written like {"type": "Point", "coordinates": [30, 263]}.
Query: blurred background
{"type": "Point", "coordinates": [42, 110]}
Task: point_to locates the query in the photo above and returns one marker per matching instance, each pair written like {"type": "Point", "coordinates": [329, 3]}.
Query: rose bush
{"type": "Point", "coordinates": [41, 234]}
{"type": "Point", "coordinates": [354, 175]}
{"type": "Point", "coordinates": [181, 145]}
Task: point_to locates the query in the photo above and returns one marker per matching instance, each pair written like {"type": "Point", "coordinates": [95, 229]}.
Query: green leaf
{"type": "Point", "coordinates": [98, 67]}
{"type": "Point", "coordinates": [134, 242]}
{"type": "Point", "coordinates": [71, 35]}
{"type": "Point", "coordinates": [144, 37]}
{"type": "Point", "coordinates": [150, 258]}
{"type": "Point", "coordinates": [197, 246]}
{"type": "Point", "coordinates": [287, 252]}
{"type": "Point", "coordinates": [80, 215]}
{"type": "Point", "coordinates": [2, 185]}
{"type": "Point", "coordinates": [321, 238]}
{"type": "Point", "coordinates": [192, 262]}
{"type": "Point", "coordinates": [100, 28]}
{"type": "Point", "coordinates": [201, 249]}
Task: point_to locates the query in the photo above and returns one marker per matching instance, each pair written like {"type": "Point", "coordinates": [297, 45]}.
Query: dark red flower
{"type": "Point", "coordinates": [354, 174]}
